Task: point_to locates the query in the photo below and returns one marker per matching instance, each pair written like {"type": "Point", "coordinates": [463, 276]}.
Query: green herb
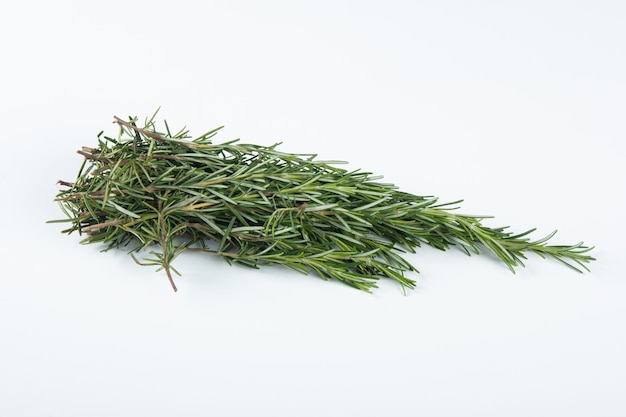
{"type": "Point", "coordinates": [255, 205]}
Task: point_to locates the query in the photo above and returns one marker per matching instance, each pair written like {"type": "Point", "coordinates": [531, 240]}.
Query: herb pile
{"type": "Point", "coordinates": [255, 205]}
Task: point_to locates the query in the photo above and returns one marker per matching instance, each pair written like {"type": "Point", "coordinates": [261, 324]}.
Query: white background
{"type": "Point", "coordinates": [518, 107]}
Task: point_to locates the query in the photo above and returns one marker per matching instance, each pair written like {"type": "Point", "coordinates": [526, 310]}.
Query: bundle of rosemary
{"type": "Point", "coordinates": [255, 205]}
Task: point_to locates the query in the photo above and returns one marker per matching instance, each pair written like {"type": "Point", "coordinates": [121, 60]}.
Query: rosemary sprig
{"type": "Point", "coordinates": [255, 205]}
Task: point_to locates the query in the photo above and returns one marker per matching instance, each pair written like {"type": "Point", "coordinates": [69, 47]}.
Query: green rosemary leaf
{"type": "Point", "coordinates": [210, 223]}
{"type": "Point", "coordinates": [320, 208]}
{"type": "Point", "coordinates": [123, 210]}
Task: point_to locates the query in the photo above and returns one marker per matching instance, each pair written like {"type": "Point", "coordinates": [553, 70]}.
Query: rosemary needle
{"type": "Point", "coordinates": [255, 205]}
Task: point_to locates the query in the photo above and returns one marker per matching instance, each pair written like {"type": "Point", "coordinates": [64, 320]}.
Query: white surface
{"type": "Point", "coordinates": [518, 107]}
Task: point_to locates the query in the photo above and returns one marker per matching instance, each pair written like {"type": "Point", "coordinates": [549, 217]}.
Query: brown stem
{"type": "Point", "coordinates": [169, 276]}
{"type": "Point", "coordinates": [101, 225]}
{"type": "Point", "coordinates": [87, 155]}
{"type": "Point", "coordinates": [145, 132]}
